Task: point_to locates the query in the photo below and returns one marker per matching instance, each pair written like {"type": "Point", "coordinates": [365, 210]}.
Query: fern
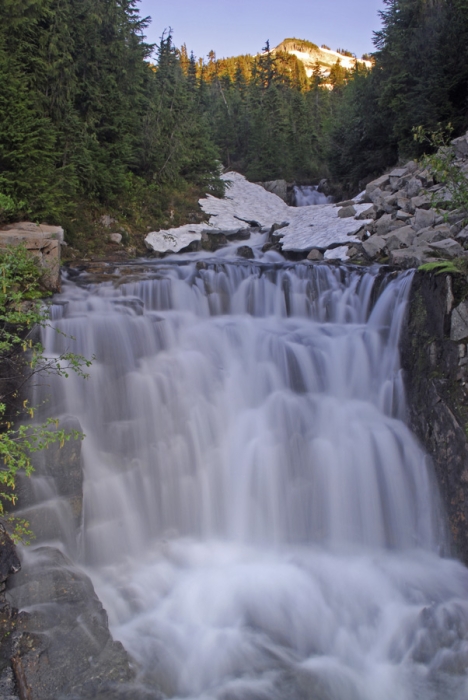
{"type": "Point", "coordinates": [441, 266]}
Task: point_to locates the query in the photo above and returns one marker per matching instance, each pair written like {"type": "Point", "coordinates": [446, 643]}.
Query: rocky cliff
{"type": "Point", "coordinates": [434, 353]}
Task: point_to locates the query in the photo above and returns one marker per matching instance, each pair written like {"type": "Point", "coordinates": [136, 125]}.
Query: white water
{"type": "Point", "coordinates": [305, 195]}
{"type": "Point", "coordinates": [258, 521]}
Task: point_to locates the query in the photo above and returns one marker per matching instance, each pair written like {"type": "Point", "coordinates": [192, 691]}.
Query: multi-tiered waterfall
{"type": "Point", "coordinates": [259, 522]}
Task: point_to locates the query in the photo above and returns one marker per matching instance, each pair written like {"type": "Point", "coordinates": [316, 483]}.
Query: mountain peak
{"type": "Point", "coordinates": [311, 54]}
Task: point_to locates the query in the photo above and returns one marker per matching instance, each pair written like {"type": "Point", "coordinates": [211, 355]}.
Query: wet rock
{"type": "Point", "coordinates": [63, 647]}
{"type": "Point", "coordinates": [244, 251]}
{"type": "Point", "coordinates": [459, 322]}
{"type": "Point", "coordinates": [424, 218]}
{"type": "Point", "coordinates": [9, 560]}
{"type": "Point", "coordinates": [347, 212]}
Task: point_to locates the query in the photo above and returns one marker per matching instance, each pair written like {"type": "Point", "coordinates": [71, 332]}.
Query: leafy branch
{"type": "Point", "coordinates": [21, 358]}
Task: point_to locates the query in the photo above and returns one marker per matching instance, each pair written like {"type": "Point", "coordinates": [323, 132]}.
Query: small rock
{"type": "Point", "coordinates": [115, 237]}
{"type": "Point", "coordinates": [315, 255]}
{"type": "Point", "coordinates": [107, 220]}
{"type": "Point", "coordinates": [424, 218]}
{"type": "Point", "coordinates": [347, 212]}
{"type": "Point", "coordinates": [346, 203]}
{"type": "Point", "coordinates": [244, 251]}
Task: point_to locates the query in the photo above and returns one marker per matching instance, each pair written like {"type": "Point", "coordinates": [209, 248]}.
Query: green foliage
{"type": "Point", "coordinates": [21, 358]}
{"type": "Point", "coordinates": [457, 266]}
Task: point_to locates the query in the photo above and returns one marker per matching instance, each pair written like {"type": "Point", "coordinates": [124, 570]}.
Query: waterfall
{"type": "Point", "coordinates": [259, 521]}
{"type": "Point", "coordinates": [305, 195]}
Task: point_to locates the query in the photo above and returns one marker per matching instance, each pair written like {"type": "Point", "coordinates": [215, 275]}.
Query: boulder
{"type": "Point", "coordinates": [278, 187]}
{"type": "Point", "coordinates": [347, 212]}
{"type": "Point", "coordinates": [403, 216]}
{"type": "Point", "coordinates": [315, 255]}
{"type": "Point", "coordinates": [401, 238]}
{"type": "Point", "coordinates": [380, 183]}
{"type": "Point", "coordinates": [43, 245]}
{"type": "Point", "coordinates": [414, 256]}
{"type": "Point", "coordinates": [448, 247]}
{"type": "Point", "coordinates": [244, 251]}
{"type": "Point", "coordinates": [374, 246]}
{"type": "Point", "coordinates": [54, 232]}
{"type": "Point", "coordinates": [431, 235]}
{"type": "Point", "coordinates": [460, 146]}
{"type": "Point", "coordinates": [424, 218]}
{"type": "Point", "coordinates": [386, 223]}
{"type": "Point", "coordinates": [404, 203]}
{"type": "Point", "coordinates": [399, 172]}
{"type": "Point", "coordinates": [369, 213]}
{"type": "Point", "coordinates": [421, 202]}
{"type": "Point", "coordinates": [413, 187]}
{"type": "Point", "coordinates": [459, 322]}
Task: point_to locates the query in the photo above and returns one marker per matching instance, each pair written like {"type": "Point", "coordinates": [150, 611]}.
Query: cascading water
{"type": "Point", "coordinates": [305, 195]}
{"type": "Point", "coordinates": [259, 522]}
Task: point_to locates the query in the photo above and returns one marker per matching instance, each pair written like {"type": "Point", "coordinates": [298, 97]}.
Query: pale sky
{"type": "Point", "coordinates": [233, 27]}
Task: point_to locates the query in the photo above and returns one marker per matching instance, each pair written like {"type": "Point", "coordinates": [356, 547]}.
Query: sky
{"type": "Point", "coordinates": [234, 27]}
